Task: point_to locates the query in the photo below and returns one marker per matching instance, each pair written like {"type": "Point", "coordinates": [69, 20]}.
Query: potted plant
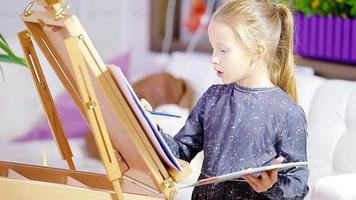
{"type": "Point", "coordinates": [8, 55]}
{"type": "Point", "coordinates": [326, 29]}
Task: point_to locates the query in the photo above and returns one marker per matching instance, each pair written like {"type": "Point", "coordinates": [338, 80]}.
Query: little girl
{"type": "Point", "coordinates": [253, 118]}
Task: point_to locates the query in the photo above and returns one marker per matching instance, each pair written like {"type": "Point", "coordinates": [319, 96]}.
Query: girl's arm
{"type": "Point", "coordinates": [189, 140]}
{"type": "Point", "coordinates": [291, 144]}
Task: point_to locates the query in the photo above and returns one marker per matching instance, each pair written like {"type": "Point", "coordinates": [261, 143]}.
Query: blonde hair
{"type": "Point", "coordinates": [259, 21]}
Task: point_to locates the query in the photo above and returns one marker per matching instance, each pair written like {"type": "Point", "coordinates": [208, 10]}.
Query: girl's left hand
{"type": "Point", "coordinates": [266, 180]}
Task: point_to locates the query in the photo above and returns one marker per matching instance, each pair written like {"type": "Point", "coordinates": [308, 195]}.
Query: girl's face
{"type": "Point", "coordinates": [230, 58]}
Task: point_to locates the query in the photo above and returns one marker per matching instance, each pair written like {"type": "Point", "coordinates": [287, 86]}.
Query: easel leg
{"type": "Point", "coordinates": [93, 113]}
{"type": "Point", "coordinates": [55, 60]}
{"type": "Point", "coordinates": [46, 97]}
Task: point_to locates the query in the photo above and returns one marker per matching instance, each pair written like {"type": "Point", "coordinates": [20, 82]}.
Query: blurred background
{"type": "Point", "coordinates": [162, 48]}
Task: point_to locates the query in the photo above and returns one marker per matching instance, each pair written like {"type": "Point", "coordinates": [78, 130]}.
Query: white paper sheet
{"type": "Point", "coordinates": [239, 174]}
{"type": "Point", "coordinates": [153, 134]}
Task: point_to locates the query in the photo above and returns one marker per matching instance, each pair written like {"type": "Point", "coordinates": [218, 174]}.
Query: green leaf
{"type": "Point", "coordinates": [9, 59]}
{"type": "Point", "coordinates": [343, 8]}
{"type": "Point", "coordinates": [308, 11]}
{"type": "Point", "coordinates": [22, 61]}
{"type": "Point", "coordinates": [17, 59]}
{"type": "Point", "coordinates": [3, 39]}
{"type": "Point", "coordinates": [353, 12]}
{"type": "Point", "coordinates": [302, 5]}
{"type": "Point", "coordinates": [325, 8]}
{"type": "Point", "coordinates": [7, 49]}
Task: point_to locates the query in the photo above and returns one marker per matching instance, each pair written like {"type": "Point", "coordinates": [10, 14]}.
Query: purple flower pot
{"type": "Point", "coordinates": [346, 39]}
{"type": "Point", "coordinates": [321, 38]}
{"type": "Point", "coordinates": [353, 42]}
{"type": "Point", "coordinates": [297, 37]}
{"type": "Point", "coordinates": [326, 38]}
{"type": "Point", "coordinates": [329, 37]}
{"type": "Point", "coordinates": [337, 38]}
{"type": "Point", "coordinates": [313, 47]}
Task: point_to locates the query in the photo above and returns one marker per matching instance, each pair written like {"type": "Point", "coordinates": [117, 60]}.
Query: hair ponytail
{"type": "Point", "coordinates": [284, 75]}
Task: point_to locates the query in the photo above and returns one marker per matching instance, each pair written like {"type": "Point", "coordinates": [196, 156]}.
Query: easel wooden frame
{"type": "Point", "coordinates": [78, 66]}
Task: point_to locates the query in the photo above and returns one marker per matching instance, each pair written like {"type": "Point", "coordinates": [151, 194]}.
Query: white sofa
{"type": "Point", "coordinates": [331, 112]}
{"type": "Point", "coordinates": [330, 106]}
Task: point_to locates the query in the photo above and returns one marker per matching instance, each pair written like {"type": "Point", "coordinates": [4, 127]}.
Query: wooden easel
{"type": "Point", "coordinates": [134, 170]}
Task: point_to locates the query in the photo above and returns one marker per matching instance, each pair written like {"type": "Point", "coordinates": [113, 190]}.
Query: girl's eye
{"type": "Point", "coordinates": [223, 51]}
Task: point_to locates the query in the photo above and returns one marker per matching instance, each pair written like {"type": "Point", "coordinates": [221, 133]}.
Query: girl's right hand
{"type": "Point", "coordinates": [146, 105]}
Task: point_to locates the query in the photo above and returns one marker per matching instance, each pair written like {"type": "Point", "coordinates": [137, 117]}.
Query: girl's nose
{"type": "Point", "coordinates": [215, 60]}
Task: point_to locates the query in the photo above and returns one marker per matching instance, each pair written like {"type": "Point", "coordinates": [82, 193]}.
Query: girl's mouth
{"type": "Point", "coordinates": [219, 73]}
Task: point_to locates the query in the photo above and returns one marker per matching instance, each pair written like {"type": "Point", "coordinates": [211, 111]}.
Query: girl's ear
{"type": "Point", "coordinates": [260, 51]}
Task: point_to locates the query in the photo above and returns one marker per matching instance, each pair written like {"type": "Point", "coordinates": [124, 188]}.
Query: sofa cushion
{"type": "Point", "coordinates": [344, 160]}
{"type": "Point", "coordinates": [307, 85]}
{"type": "Point", "coordinates": [340, 187]}
{"type": "Point", "coordinates": [330, 141]}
